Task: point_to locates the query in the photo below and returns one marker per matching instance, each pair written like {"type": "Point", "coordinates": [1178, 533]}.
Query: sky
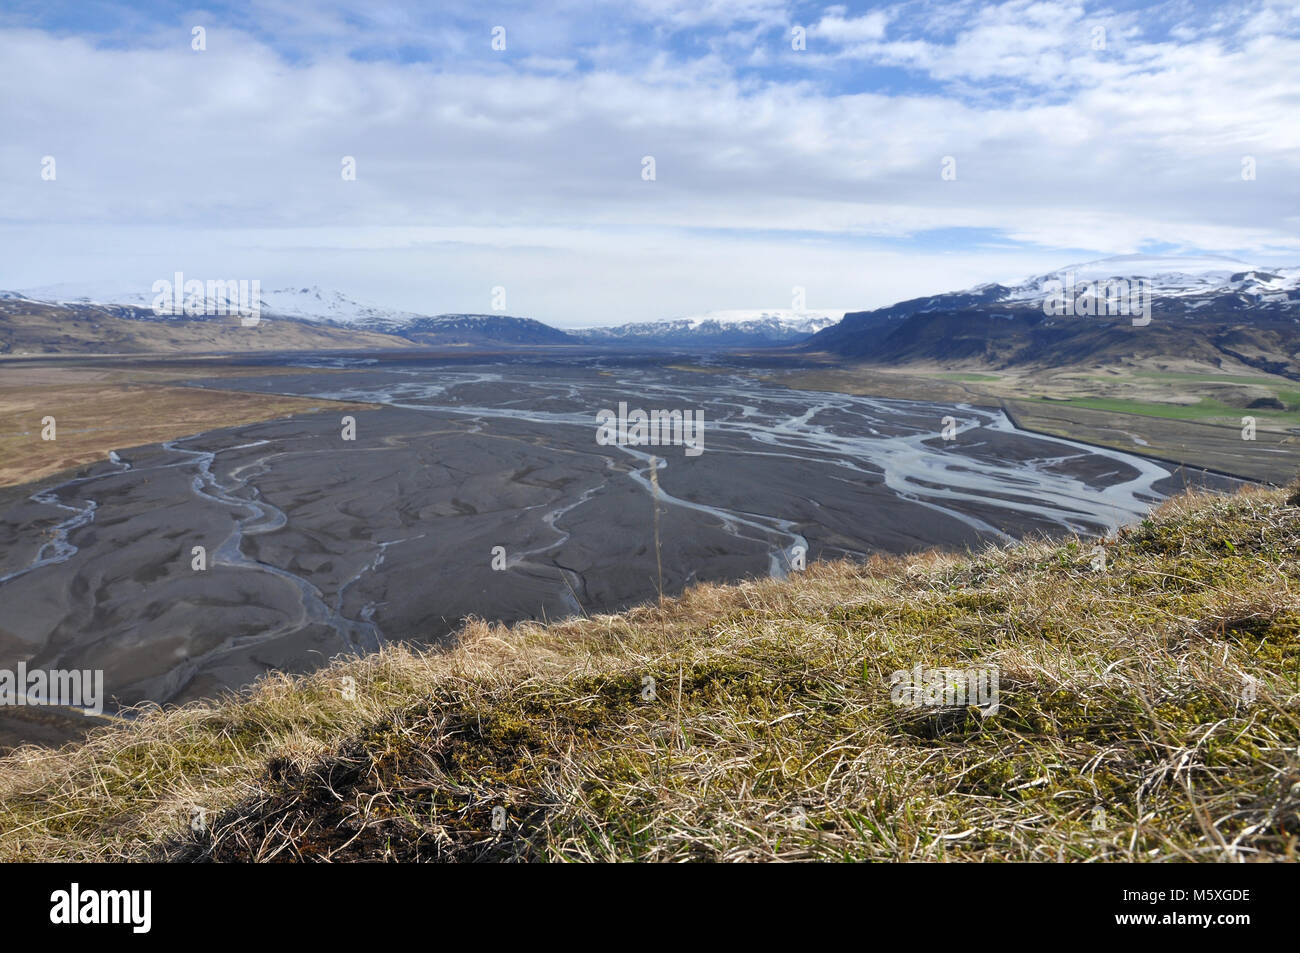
{"type": "Point", "coordinates": [863, 153]}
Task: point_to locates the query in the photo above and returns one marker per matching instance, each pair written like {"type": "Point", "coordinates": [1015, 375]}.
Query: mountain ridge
{"type": "Point", "coordinates": [314, 306]}
{"type": "Point", "coordinates": [1219, 311]}
{"type": "Point", "coordinates": [1206, 307]}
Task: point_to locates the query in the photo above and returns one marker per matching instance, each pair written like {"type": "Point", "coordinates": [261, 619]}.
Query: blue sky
{"type": "Point", "coordinates": [1076, 130]}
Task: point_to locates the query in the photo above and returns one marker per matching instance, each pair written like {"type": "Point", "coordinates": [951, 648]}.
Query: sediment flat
{"type": "Point", "coordinates": [316, 545]}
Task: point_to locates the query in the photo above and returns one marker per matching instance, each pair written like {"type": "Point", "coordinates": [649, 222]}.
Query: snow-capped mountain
{"type": "Point", "coordinates": [316, 304]}
{"type": "Point", "coordinates": [718, 328]}
{"type": "Point", "coordinates": [304, 303]}
{"type": "Point", "coordinates": [1220, 305]}
{"type": "Point", "coordinates": [1178, 285]}
{"type": "Point", "coordinates": [751, 327]}
{"type": "Point", "coordinates": [310, 305]}
{"type": "Point", "coordinates": [1195, 278]}
{"type": "Point", "coordinates": [1204, 308]}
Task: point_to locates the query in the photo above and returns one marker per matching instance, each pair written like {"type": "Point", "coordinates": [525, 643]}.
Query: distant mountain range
{"type": "Point", "coordinates": [314, 306]}
{"type": "Point", "coordinates": [718, 329]}
{"type": "Point", "coordinates": [486, 329]}
{"type": "Point", "coordinates": [1205, 309]}
{"type": "Point", "coordinates": [338, 315]}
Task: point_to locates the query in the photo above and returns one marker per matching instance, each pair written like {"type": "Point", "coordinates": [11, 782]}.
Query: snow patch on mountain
{"type": "Point", "coordinates": [317, 304]}
{"type": "Point", "coordinates": [80, 293]}
{"type": "Point", "coordinates": [802, 322]}
{"type": "Point", "coordinates": [305, 303]}
{"type": "Point", "coordinates": [756, 325]}
{"type": "Point", "coordinates": [1174, 276]}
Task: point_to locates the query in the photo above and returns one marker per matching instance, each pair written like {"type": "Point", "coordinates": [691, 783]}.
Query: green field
{"type": "Point", "coordinates": [1204, 409]}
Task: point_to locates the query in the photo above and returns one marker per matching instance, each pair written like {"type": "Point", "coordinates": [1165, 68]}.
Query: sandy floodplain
{"type": "Point", "coordinates": [483, 490]}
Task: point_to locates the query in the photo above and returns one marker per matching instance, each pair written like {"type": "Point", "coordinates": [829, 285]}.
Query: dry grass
{"type": "Point", "coordinates": [94, 414]}
{"type": "Point", "coordinates": [1125, 732]}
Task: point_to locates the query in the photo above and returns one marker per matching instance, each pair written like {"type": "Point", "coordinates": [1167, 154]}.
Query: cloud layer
{"type": "Point", "coordinates": [1073, 131]}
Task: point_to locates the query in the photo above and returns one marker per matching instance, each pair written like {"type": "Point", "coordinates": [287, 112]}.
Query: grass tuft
{"type": "Point", "coordinates": [1147, 712]}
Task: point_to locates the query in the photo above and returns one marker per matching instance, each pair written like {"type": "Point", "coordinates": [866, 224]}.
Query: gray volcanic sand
{"type": "Point", "coordinates": [317, 546]}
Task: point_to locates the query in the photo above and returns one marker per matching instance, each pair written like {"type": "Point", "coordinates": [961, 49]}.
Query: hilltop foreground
{"type": "Point", "coordinates": [1147, 711]}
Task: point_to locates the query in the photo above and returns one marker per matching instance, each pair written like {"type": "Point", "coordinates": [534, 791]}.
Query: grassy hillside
{"type": "Point", "coordinates": [32, 328]}
{"type": "Point", "coordinates": [1150, 711]}
{"type": "Point", "coordinates": [1001, 335]}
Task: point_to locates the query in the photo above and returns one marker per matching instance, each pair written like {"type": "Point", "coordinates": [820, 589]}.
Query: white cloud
{"type": "Point", "coordinates": [839, 29]}
{"type": "Point", "coordinates": [533, 166]}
